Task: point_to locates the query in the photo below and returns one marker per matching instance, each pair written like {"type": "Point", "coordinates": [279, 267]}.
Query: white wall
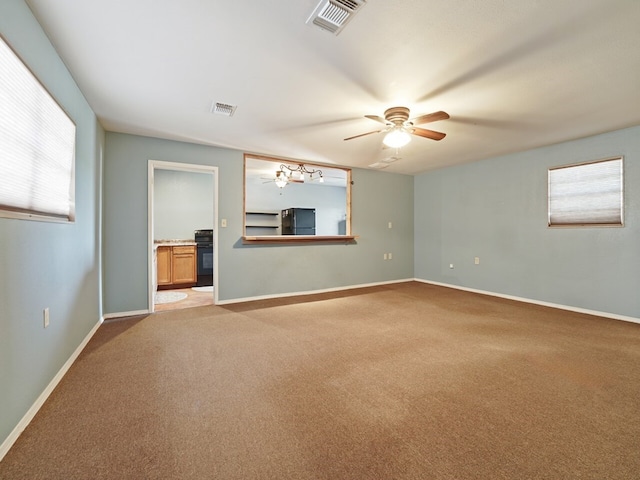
{"type": "Point", "coordinates": [42, 264]}
{"type": "Point", "coordinates": [496, 209]}
{"type": "Point", "coordinates": [183, 202]}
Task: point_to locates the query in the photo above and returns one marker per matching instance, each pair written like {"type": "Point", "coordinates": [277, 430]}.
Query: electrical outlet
{"type": "Point", "coordinates": [390, 225]}
{"type": "Point", "coordinates": [451, 265]}
{"type": "Point", "coordinates": [476, 260]}
{"type": "Point", "coordinates": [45, 317]}
{"type": "Point", "coordinates": [384, 257]}
{"type": "Point", "coordinates": [390, 256]}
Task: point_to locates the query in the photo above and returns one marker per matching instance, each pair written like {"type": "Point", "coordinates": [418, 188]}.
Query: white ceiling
{"type": "Point", "coordinates": [513, 74]}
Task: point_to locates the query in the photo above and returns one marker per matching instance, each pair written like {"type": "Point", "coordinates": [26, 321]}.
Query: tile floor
{"type": "Point", "coordinates": [194, 299]}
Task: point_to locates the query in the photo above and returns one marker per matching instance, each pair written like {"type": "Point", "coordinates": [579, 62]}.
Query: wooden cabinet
{"type": "Point", "coordinates": [183, 265]}
{"type": "Point", "coordinates": [163, 265]}
{"type": "Point", "coordinates": [176, 265]}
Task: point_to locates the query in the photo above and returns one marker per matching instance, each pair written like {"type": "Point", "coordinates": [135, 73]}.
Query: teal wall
{"type": "Point", "coordinates": [45, 264]}
{"type": "Point", "coordinates": [248, 271]}
{"type": "Point", "coordinates": [496, 209]}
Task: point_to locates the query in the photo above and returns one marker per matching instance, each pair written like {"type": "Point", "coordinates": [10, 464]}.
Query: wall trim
{"type": "Point", "coordinates": [26, 419]}
{"type": "Point", "coordinates": [311, 292]}
{"type": "Point", "coordinates": [110, 316]}
{"type": "Point", "coordinates": [597, 313]}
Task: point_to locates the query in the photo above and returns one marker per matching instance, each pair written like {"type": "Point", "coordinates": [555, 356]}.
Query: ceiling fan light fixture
{"type": "Point", "coordinates": [281, 179]}
{"type": "Point", "coordinates": [295, 174]}
{"type": "Point", "coordinates": [397, 138]}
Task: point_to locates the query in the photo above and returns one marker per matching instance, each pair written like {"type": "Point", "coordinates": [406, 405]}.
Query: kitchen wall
{"type": "Point", "coordinates": [183, 202]}
{"type": "Point", "coordinates": [496, 210]}
{"type": "Point", "coordinates": [247, 270]}
{"type": "Point", "coordinates": [43, 264]}
{"type": "Point", "coordinates": [329, 201]}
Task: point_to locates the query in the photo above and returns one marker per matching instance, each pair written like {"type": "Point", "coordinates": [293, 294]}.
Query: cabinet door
{"type": "Point", "coordinates": [184, 265]}
{"type": "Point", "coordinates": [163, 259]}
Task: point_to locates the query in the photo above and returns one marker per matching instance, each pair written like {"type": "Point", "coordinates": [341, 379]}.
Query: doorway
{"type": "Point", "coordinates": [182, 198]}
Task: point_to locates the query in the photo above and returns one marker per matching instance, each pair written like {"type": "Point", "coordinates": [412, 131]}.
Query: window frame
{"type": "Point", "coordinates": [586, 224]}
{"type": "Point", "coordinates": [296, 239]}
{"type": "Point", "coordinates": [26, 213]}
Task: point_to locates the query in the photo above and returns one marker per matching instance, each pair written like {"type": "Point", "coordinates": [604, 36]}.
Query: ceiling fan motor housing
{"type": "Point", "coordinates": [397, 115]}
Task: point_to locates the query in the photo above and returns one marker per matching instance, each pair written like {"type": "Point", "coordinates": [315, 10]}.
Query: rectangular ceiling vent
{"type": "Point", "coordinates": [333, 15]}
{"type": "Point", "coordinates": [385, 162]}
{"type": "Point", "coordinates": [379, 165]}
{"type": "Point", "coordinates": [223, 109]}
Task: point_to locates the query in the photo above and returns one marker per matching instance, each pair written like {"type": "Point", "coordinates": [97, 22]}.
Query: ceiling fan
{"type": "Point", "coordinates": [399, 128]}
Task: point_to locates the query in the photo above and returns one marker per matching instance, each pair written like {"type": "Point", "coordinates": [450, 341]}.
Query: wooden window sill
{"type": "Point", "coordinates": [279, 239]}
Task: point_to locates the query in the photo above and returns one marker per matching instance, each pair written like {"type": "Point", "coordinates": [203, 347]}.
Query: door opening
{"type": "Point", "coordinates": [182, 203]}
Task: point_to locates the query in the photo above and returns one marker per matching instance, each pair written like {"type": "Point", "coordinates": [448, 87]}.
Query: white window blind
{"type": "Point", "coordinates": [37, 146]}
{"type": "Point", "coordinates": [586, 194]}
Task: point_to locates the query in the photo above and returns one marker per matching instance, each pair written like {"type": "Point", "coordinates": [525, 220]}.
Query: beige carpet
{"type": "Point", "coordinates": [407, 381]}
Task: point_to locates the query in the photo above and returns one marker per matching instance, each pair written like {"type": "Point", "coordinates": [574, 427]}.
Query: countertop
{"type": "Point", "coordinates": [173, 243]}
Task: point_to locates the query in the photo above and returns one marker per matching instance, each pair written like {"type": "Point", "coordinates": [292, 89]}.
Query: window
{"type": "Point", "coordinates": [37, 147]}
{"type": "Point", "coordinates": [588, 194]}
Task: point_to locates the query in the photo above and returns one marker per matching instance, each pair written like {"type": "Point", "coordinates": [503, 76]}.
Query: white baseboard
{"type": "Point", "coordinates": [310, 292]}
{"type": "Point", "coordinates": [536, 302]}
{"type": "Point", "coordinates": [109, 316]}
{"type": "Point", "coordinates": [26, 419]}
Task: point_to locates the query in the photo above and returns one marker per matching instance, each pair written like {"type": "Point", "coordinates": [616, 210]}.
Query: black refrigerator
{"type": "Point", "coordinates": [298, 221]}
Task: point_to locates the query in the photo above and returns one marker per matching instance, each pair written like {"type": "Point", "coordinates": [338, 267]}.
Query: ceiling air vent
{"type": "Point", "coordinates": [223, 109]}
{"type": "Point", "coordinates": [379, 165]}
{"type": "Point", "coordinates": [332, 15]}
{"type": "Point", "coordinates": [385, 162]}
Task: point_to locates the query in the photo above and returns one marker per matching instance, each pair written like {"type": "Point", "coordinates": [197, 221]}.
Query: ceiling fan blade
{"type": "Point", "coordinates": [376, 118]}
{"type": "Point", "coordinates": [423, 132]}
{"type": "Point", "coordinates": [364, 134]}
{"type": "Point", "coordinates": [430, 117]}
